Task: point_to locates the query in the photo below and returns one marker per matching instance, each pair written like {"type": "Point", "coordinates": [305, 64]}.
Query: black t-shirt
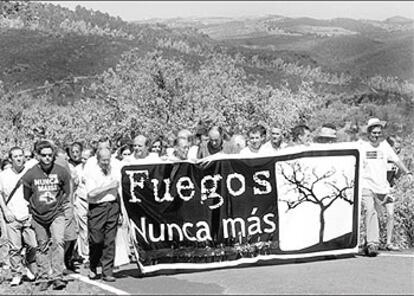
{"type": "Point", "coordinates": [46, 192]}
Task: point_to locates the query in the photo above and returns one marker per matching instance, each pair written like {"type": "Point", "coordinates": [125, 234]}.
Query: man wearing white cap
{"type": "Point", "coordinates": [375, 153]}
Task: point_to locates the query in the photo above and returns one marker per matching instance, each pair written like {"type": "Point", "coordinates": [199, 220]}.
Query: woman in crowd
{"type": "Point", "coordinates": [124, 152]}
{"type": "Point", "coordinates": [157, 148]}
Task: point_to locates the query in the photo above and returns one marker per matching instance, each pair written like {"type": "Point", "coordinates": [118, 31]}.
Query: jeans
{"type": "Point", "coordinates": [372, 204]}
{"type": "Point", "coordinates": [19, 233]}
{"type": "Point", "coordinates": [50, 238]}
{"type": "Point", "coordinates": [4, 243]}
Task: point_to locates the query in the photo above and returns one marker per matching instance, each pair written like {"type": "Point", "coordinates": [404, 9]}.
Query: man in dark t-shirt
{"type": "Point", "coordinates": [214, 144]}
{"type": "Point", "coordinates": [47, 189]}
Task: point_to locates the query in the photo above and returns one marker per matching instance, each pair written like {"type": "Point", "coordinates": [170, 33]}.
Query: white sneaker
{"type": "Point", "coordinates": [17, 280]}
{"type": "Point", "coordinates": [30, 274]}
{"type": "Point", "coordinates": [391, 247]}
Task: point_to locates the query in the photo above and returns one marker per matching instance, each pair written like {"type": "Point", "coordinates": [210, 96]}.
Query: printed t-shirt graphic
{"type": "Point", "coordinates": [47, 192]}
{"type": "Point", "coordinates": [375, 162]}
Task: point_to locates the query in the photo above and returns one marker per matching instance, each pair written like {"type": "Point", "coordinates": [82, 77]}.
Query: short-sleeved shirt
{"type": "Point", "coordinates": [95, 178]}
{"type": "Point", "coordinates": [246, 151]}
{"type": "Point", "coordinates": [47, 192]}
{"type": "Point", "coordinates": [374, 166]}
{"type": "Point", "coordinates": [17, 204]}
{"type": "Point", "coordinates": [268, 149]}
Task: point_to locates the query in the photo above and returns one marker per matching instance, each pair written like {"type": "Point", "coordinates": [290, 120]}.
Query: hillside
{"type": "Point", "coordinates": [46, 44]}
{"type": "Point", "coordinates": [362, 47]}
{"type": "Point", "coordinates": [43, 42]}
{"type": "Point", "coordinates": [367, 57]}
{"type": "Point", "coordinates": [30, 58]}
{"type": "Point", "coordinates": [399, 20]}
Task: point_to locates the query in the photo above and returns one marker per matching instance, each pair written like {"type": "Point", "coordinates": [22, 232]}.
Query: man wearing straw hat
{"type": "Point", "coordinates": [327, 134]}
{"type": "Point", "coordinates": [375, 153]}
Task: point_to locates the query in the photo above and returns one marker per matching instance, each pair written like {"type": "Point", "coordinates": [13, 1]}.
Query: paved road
{"type": "Point", "coordinates": [390, 273]}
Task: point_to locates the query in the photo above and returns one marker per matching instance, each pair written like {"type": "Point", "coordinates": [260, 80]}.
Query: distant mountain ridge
{"type": "Point", "coordinates": [361, 47]}
{"type": "Point", "coordinates": [399, 20]}
{"type": "Point", "coordinates": [44, 43]}
{"type": "Point", "coordinates": [269, 22]}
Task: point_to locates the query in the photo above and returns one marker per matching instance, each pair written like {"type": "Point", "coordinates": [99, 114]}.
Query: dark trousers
{"type": "Point", "coordinates": [69, 254]}
{"type": "Point", "coordinates": [102, 225]}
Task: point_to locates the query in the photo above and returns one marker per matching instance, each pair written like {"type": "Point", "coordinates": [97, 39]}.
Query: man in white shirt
{"type": "Point", "coordinates": [140, 147]}
{"type": "Point", "coordinates": [103, 142]}
{"type": "Point", "coordinates": [180, 150]}
{"type": "Point", "coordinates": [16, 213]}
{"type": "Point", "coordinates": [301, 136]}
{"type": "Point", "coordinates": [275, 143]}
{"type": "Point", "coordinates": [256, 138]}
{"type": "Point", "coordinates": [375, 154]}
{"type": "Point", "coordinates": [102, 185]}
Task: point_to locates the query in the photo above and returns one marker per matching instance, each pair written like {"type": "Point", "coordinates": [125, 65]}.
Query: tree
{"type": "Point", "coordinates": [304, 182]}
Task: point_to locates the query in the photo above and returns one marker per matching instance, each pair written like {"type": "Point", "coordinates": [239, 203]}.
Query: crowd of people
{"type": "Point", "coordinates": [61, 206]}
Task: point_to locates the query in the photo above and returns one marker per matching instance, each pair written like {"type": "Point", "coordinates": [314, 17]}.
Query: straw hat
{"type": "Point", "coordinates": [375, 122]}
{"type": "Point", "coordinates": [326, 132]}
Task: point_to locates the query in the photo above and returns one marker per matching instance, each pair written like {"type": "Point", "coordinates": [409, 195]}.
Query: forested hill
{"type": "Point", "coordinates": [122, 77]}
{"type": "Point", "coordinates": [43, 42]}
{"type": "Point", "coordinates": [361, 47]}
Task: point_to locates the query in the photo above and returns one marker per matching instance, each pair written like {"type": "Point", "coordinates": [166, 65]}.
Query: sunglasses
{"type": "Point", "coordinates": [46, 154]}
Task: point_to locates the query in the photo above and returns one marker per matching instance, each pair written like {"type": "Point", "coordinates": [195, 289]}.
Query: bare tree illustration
{"type": "Point", "coordinates": [303, 182]}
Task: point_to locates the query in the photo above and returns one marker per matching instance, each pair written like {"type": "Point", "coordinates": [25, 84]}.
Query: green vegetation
{"type": "Point", "coordinates": [78, 75]}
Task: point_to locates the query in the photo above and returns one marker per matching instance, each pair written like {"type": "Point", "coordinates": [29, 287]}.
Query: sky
{"type": "Point", "coordinates": [141, 10]}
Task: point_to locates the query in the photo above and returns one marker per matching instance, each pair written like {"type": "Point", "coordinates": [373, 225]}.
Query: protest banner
{"type": "Point", "coordinates": [232, 211]}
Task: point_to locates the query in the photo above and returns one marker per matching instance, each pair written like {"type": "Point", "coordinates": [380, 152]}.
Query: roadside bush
{"type": "Point", "coordinates": [404, 206]}
{"type": "Point", "coordinates": [403, 216]}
